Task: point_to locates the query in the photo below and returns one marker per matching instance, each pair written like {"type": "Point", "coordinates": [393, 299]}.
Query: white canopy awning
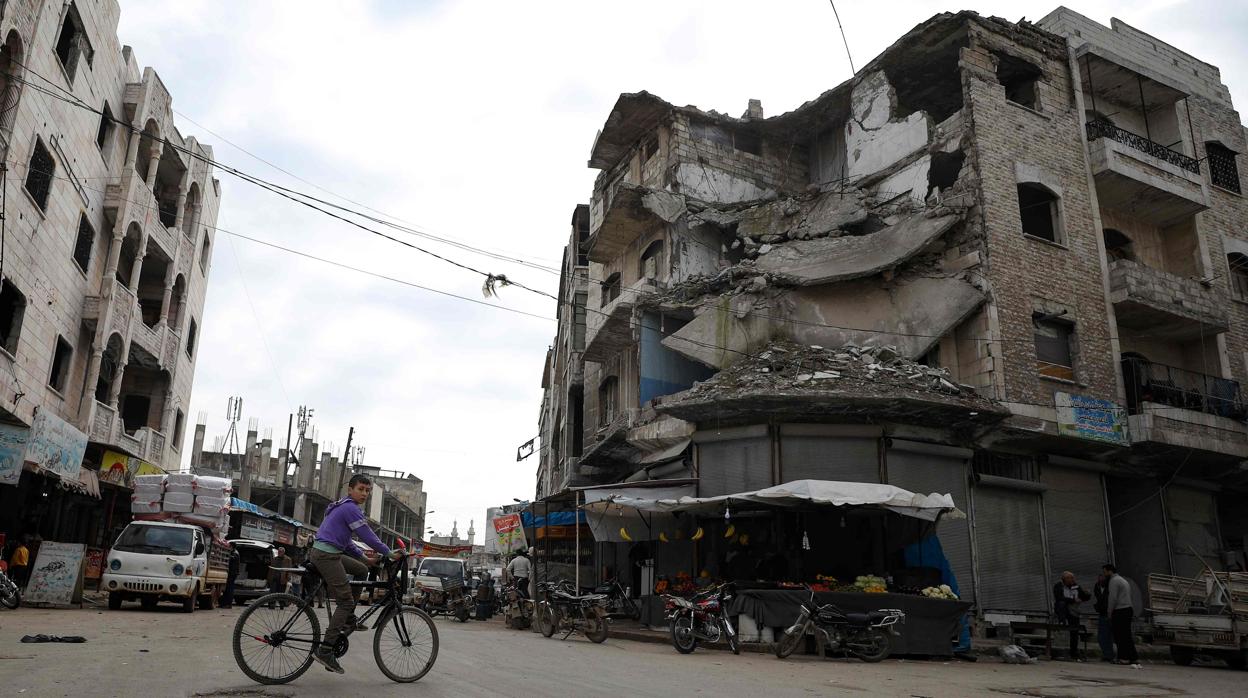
{"type": "Point", "coordinates": [796, 494]}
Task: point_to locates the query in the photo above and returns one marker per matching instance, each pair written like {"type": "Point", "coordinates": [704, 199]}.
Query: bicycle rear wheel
{"type": "Point", "coordinates": [264, 651]}
{"type": "Point", "coordinates": [405, 645]}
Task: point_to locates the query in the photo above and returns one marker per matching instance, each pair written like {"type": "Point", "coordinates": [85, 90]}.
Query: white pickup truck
{"type": "Point", "coordinates": [155, 561]}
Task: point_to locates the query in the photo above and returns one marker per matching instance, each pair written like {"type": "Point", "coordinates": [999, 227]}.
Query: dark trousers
{"type": "Point", "coordinates": [1105, 637]}
{"type": "Point", "coordinates": [1121, 622]}
{"type": "Point", "coordinates": [1072, 622]}
{"type": "Point", "coordinates": [20, 574]}
{"type": "Point", "coordinates": [334, 568]}
{"type": "Point", "coordinates": [522, 587]}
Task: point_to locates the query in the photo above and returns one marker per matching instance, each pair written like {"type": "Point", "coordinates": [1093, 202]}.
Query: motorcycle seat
{"type": "Point", "coordinates": [865, 618]}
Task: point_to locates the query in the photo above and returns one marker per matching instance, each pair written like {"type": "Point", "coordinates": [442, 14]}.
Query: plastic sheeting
{"type": "Point", "coordinates": [610, 521]}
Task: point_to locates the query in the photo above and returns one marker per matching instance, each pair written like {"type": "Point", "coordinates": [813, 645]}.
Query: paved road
{"type": "Point", "coordinates": [166, 653]}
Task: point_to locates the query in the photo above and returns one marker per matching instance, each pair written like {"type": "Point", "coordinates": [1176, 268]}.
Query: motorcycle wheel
{"type": "Point", "coordinates": [596, 629]}
{"type": "Point", "coordinates": [547, 620]}
{"type": "Point", "coordinates": [789, 641]}
{"type": "Point", "coordinates": [461, 614]}
{"type": "Point", "coordinates": [871, 646]}
{"type": "Point", "coordinates": [683, 637]}
{"type": "Point", "coordinates": [734, 642]}
{"type": "Point", "coordinates": [11, 597]}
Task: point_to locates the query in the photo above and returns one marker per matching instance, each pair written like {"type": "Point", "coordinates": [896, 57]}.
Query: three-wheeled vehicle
{"type": "Point", "coordinates": [439, 587]}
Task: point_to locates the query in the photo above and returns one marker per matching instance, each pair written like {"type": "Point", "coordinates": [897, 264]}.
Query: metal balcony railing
{"type": "Point", "coordinates": [1167, 385]}
{"type": "Point", "coordinates": [1098, 128]}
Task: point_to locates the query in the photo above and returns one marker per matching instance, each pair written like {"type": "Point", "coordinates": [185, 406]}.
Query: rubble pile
{"type": "Point", "coordinates": [874, 371]}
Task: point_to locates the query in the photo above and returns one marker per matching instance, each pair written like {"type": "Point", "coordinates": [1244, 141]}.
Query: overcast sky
{"type": "Point", "coordinates": [472, 120]}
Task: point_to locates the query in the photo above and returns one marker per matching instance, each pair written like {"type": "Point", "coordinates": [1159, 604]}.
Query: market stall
{"type": "Point", "coordinates": [868, 546]}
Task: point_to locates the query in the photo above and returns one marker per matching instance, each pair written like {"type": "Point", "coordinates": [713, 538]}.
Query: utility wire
{"type": "Point", "coordinates": [843, 39]}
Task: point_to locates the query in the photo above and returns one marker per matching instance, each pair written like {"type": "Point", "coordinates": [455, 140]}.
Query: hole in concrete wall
{"type": "Point", "coordinates": [59, 375]}
{"type": "Point", "coordinates": [872, 224]}
{"type": "Point", "coordinates": [12, 310]}
{"type": "Point", "coordinates": [728, 138]}
{"type": "Point", "coordinates": [652, 260]}
{"type": "Point", "coordinates": [1037, 207]}
{"type": "Point", "coordinates": [944, 170]}
{"type": "Point", "coordinates": [926, 75]}
{"type": "Point", "coordinates": [610, 289]}
{"type": "Point", "coordinates": [1117, 244]}
{"type": "Point", "coordinates": [1019, 78]}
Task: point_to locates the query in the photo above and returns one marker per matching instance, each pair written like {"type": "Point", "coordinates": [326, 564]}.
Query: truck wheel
{"type": "Point", "coordinates": [114, 600]}
{"type": "Point", "coordinates": [188, 604]}
{"type": "Point", "coordinates": [208, 601]}
{"type": "Point", "coordinates": [1181, 655]}
{"type": "Point", "coordinates": [1237, 659]}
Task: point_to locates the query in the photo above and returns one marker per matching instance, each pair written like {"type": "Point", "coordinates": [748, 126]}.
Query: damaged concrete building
{"type": "Point", "coordinates": [1006, 261]}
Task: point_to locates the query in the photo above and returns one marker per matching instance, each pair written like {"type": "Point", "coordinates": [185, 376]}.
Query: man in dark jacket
{"type": "Point", "coordinates": [1067, 595]}
{"type": "Point", "coordinates": [227, 598]}
{"type": "Point", "coordinates": [1104, 630]}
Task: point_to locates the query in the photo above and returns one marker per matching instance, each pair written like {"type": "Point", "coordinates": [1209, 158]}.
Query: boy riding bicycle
{"type": "Point", "coordinates": [336, 556]}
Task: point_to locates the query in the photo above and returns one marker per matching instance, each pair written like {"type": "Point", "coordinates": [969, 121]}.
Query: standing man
{"type": "Point", "coordinates": [1104, 632]}
{"type": "Point", "coordinates": [277, 580]}
{"type": "Point", "coordinates": [336, 556]}
{"type": "Point", "coordinates": [1121, 611]}
{"type": "Point", "coordinates": [19, 563]}
{"type": "Point", "coordinates": [227, 598]}
{"type": "Point", "coordinates": [520, 569]}
{"type": "Point", "coordinates": [1067, 595]}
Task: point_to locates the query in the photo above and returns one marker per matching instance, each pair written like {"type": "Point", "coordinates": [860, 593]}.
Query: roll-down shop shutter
{"type": "Point", "coordinates": [1193, 521]}
{"type": "Point", "coordinates": [925, 469]}
{"type": "Point", "coordinates": [1009, 550]}
{"type": "Point", "coordinates": [811, 452]}
{"type": "Point", "coordinates": [1074, 518]}
{"type": "Point", "coordinates": [731, 465]}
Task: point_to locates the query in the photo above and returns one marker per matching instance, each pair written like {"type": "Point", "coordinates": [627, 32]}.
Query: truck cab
{"type": "Point", "coordinates": [154, 561]}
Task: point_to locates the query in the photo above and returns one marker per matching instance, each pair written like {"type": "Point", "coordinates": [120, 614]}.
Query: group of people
{"type": "Point", "coordinates": [1111, 599]}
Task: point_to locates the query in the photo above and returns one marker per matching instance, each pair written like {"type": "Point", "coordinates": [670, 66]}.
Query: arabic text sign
{"type": "Point", "coordinates": [55, 445]}
{"type": "Point", "coordinates": [434, 550]}
{"type": "Point", "coordinates": [12, 452]}
{"type": "Point", "coordinates": [510, 533]}
{"type": "Point", "coordinates": [1091, 418]}
{"type": "Point", "coordinates": [55, 574]}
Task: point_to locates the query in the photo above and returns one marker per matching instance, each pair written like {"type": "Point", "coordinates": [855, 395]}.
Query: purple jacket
{"type": "Point", "coordinates": [342, 518]}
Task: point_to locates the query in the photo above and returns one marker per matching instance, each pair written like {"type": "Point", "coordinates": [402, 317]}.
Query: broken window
{"type": "Point", "coordinates": [12, 310]}
{"type": "Point", "coordinates": [1054, 355]}
{"type": "Point", "coordinates": [944, 171]}
{"type": "Point", "coordinates": [649, 149]}
{"type": "Point", "coordinates": [610, 289]}
{"type": "Point", "coordinates": [190, 339]}
{"type": "Point", "coordinates": [39, 174]}
{"type": "Point", "coordinates": [72, 43]}
{"type": "Point", "coordinates": [1117, 245]}
{"type": "Point", "coordinates": [84, 244]}
{"type": "Point", "coordinates": [105, 128]}
{"type": "Point", "coordinates": [651, 260]}
{"type": "Point", "coordinates": [736, 140]}
{"type": "Point", "coordinates": [1037, 207]}
{"type": "Point", "coordinates": [59, 374]}
{"type": "Point", "coordinates": [178, 420]}
{"type": "Point", "coordinates": [1019, 78]}
{"type": "Point", "coordinates": [203, 254]}
{"type": "Point", "coordinates": [1222, 169]}
{"type": "Point", "coordinates": [579, 303]}
{"type": "Point", "coordinates": [608, 400]}
{"type": "Point", "coordinates": [1239, 274]}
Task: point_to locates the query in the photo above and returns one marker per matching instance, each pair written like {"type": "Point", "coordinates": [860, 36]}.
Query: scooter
{"type": "Point", "coordinates": [517, 610]}
{"type": "Point", "coordinates": [867, 636]}
{"type": "Point", "coordinates": [700, 618]}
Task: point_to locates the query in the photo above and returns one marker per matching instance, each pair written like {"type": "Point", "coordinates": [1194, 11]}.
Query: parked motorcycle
{"type": "Point", "coordinates": [867, 636]}
{"type": "Point", "coordinates": [700, 618]}
{"type": "Point", "coordinates": [561, 608]}
{"type": "Point", "coordinates": [10, 594]}
{"type": "Point", "coordinates": [517, 610]}
{"type": "Point", "coordinates": [619, 605]}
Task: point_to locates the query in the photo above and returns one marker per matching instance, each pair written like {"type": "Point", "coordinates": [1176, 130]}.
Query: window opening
{"type": "Point", "coordinates": [105, 128]}
{"type": "Point", "coordinates": [1037, 206]}
{"type": "Point", "coordinates": [1222, 168]}
{"type": "Point", "coordinates": [610, 289]}
{"type": "Point", "coordinates": [1117, 245]}
{"type": "Point", "coordinates": [60, 365]}
{"type": "Point", "coordinates": [12, 310]}
{"type": "Point", "coordinates": [39, 174]}
{"type": "Point", "coordinates": [1008, 465]}
{"type": "Point", "coordinates": [650, 260]}
{"type": "Point", "coordinates": [579, 303]}
{"type": "Point", "coordinates": [1019, 79]}
{"type": "Point", "coordinates": [84, 244]}
{"type": "Point", "coordinates": [1054, 356]}
{"type": "Point", "coordinates": [736, 140]}
{"type": "Point", "coordinates": [72, 42]}
{"type": "Point", "coordinates": [203, 254]}
{"type": "Point", "coordinates": [178, 419]}
{"type": "Point", "coordinates": [190, 339]}
{"type": "Point", "coordinates": [1239, 274]}
{"type": "Point", "coordinates": [608, 400]}
{"type": "Point", "coordinates": [944, 170]}
{"type": "Point", "coordinates": [649, 149]}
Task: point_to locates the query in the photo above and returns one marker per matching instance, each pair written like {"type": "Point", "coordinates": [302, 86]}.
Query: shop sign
{"type": "Point", "coordinates": [283, 533]}
{"type": "Point", "coordinates": [54, 577]}
{"type": "Point", "coordinates": [121, 469]}
{"type": "Point", "coordinates": [1091, 418]}
{"type": "Point", "coordinates": [95, 563]}
{"type": "Point", "coordinates": [56, 446]}
{"type": "Point", "coordinates": [254, 528]}
{"type": "Point", "coordinates": [435, 550]}
{"type": "Point", "coordinates": [510, 533]}
{"type": "Point", "coordinates": [12, 452]}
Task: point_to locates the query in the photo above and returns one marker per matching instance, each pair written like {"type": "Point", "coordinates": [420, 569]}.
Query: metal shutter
{"type": "Point", "coordinates": [1193, 519]}
{"type": "Point", "coordinates": [734, 465]}
{"type": "Point", "coordinates": [1009, 549]}
{"type": "Point", "coordinates": [840, 458]}
{"type": "Point", "coordinates": [925, 473]}
{"type": "Point", "coordinates": [1139, 526]}
{"type": "Point", "coordinates": [1074, 517]}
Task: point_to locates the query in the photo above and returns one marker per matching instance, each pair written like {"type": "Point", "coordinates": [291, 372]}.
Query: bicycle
{"type": "Point", "coordinates": [273, 645]}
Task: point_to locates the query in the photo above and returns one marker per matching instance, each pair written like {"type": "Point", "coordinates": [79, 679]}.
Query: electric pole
{"type": "Point", "coordinates": [346, 460]}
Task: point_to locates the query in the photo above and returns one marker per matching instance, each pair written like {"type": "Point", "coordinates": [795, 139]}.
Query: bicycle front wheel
{"type": "Point", "coordinates": [274, 639]}
{"type": "Point", "coordinates": [405, 645]}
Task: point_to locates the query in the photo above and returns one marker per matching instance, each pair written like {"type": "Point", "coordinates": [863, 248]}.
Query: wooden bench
{"type": "Point", "coordinates": [1043, 630]}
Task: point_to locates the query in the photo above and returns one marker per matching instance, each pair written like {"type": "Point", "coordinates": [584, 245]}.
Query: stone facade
{"type": "Point", "coordinates": [109, 229]}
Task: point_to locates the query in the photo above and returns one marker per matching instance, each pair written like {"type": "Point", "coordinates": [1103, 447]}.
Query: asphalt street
{"type": "Point", "coordinates": [166, 653]}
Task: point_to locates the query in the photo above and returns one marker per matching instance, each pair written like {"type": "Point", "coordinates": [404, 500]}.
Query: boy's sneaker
{"type": "Point", "coordinates": [325, 655]}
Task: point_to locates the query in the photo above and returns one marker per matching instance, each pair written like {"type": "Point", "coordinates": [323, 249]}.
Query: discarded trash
{"type": "Point", "coordinates": [53, 638]}
{"type": "Point", "coordinates": [1013, 654]}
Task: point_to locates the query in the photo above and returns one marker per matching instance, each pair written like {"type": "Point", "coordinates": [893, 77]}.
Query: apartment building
{"type": "Point", "coordinates": [1005, 261]}
{"type": "Point", "coordinates": [108, 235]}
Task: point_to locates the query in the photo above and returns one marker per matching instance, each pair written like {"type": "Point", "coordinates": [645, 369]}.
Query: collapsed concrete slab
{"type": "Point", "coordinates": [829, 260]}
{"type": "Point", "coordinates": [722, 333]}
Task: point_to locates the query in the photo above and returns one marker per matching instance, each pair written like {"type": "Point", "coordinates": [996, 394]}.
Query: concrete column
{"type": "Point", "coordinates": [301, 507]}
{"type": "Point", "coordinates": [170, 269]}
{"type": "Point", "coordinates": [177, 221]}
{"type": "Point", "coordinates": [114, 392]}
{"type": "Point", "coordinates": [280, 468]}
{"type": "Point", "coordinates": [137, 268]}
{"type": "Point", "coordinates": [114, 253]}
{"type": "Point", "coordinates": [248, 467]}
{"type": "Point", "coordinates": [197, 446]}
{"type": "Point", "coordinates": [132, 150]}
{"type": "Point", "coordinates": [264, 466]}
{"type": "Point", "coordinates": [153, 164]}
{"type": "Point", "coordinates": [323, 484]}
{"type": "Point", "coordinates": [306, 472]}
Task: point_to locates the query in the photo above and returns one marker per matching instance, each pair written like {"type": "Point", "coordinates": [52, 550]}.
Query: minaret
{"type": "Point", "coordinates": [455, 533]}
{"type": "Point", "coordinates": [472, 534]}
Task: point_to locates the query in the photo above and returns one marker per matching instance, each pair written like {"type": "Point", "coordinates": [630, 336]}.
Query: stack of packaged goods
{"type": "Point", "coordinates": [179, 493]}
{"type": "Point", "coordinates": [212, 503]}
{"type": "Point", "coordinates": [149, 491]}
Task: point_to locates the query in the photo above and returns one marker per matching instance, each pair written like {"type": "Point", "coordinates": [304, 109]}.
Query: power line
{"type": "Point", "coordinates": [843, 39]}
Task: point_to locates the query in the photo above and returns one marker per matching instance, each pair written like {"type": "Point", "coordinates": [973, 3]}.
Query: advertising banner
{"type": "Point", "coordinates": [434, 550]}
{"type": "Point", "coordinates": [1091, 418]}
{"type": "Point", "coordinates": [120, 469]}
{"type": "Point", "coordinates": [56, 445]}
{"type": "Point", "coordinates": [54, 577]}
{"type": "Point", "coordinates": [509, 532]}
{"type": "Point", "coordinates": [95, 563]}
{"type": "Point", "coordinates": [255, 528]}
{"type": "Point", "coordinates": [12, 452]}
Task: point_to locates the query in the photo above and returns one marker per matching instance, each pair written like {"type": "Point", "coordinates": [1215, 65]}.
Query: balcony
{"type": "Point", "coordinates": [1169, 307]}
{"type": "Point", "coordinates": [159, 344]}
{"type": "Point", "coordinates": [621, 213]}
{"type": "Point", "coordinates": [125, 306]}
{"type": "Point", "coordinates": [611, 329]}
{"type": "Point", "coordinates": [1137, 174]}
{"type": "Point", "coordinates": [131, 191]}
{"type": "Point", "coordinates": [106, 428]}
{"type": "Point", "coordinates": [1173, 407]}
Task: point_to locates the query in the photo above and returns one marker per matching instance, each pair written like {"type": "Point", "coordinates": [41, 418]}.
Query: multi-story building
{"type": "Point", "coordinates": [108, 227]}
{"type": "Point", "coordinates": [1005, 261]}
